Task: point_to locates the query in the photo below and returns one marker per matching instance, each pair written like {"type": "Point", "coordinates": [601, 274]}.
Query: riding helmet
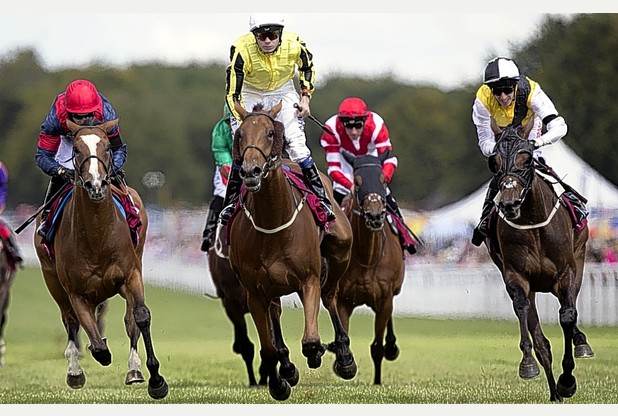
{"type": "Point", "coordinates": [353, 107]}
{"type": "Point", "coordinates": [82, 97]}
{"type": "Point", "coordinates": [500, 69]}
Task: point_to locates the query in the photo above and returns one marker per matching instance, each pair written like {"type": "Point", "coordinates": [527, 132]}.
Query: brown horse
{"type": "Point", "coordinates": [94, 257]}
{"type": "Point", "coordinates": [277, 249]}
{"type": "Point", "coordinates": [234, 300]}
{"type": "Point", "coordinates": [7, 276]}
{"type": "Point", "coordinates": [537, 250]}
{"type": "Point", "coordinates": [376, 271]}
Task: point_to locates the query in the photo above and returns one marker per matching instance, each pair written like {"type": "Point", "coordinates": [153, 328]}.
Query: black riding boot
{"type": "Point", "coordinates": [579, 207]}
{"type": "Point", "coordinates": [315, 183]}
{"type": "Point", "coordinates": [216, 205]}
{"type": "Point", "coordinates": [480, 232]}
{"type": "Point", "coordinates": [232, 192]}
{"type": "Point", "coordinates": [55, 184]}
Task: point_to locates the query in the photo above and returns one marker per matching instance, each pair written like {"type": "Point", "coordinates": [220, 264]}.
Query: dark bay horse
{"type": "Point", "coordinates": [7, 276]}
{"type": "Point", "coordinates": [537, 250]}
{"type": "Point", "coordinates": [95, 257]}
{"type": "Point", "coordinates": [234, 300]}
{"type": "Point", "coordinates": [277, 249]}
{"type": "Point", "coordinates": [376, 271]}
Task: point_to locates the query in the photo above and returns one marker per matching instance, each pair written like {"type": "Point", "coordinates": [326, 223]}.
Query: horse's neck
{"type": "Point", "coordinates": [94, 217]}
{"type": "Point", "coordinates": [540, 200]}
{"type": "Point", "coordinates": [276, 200]}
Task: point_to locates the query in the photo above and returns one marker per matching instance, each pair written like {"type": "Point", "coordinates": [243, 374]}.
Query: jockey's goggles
{"type": "Point", "coordinates": [353, 123]}
{"type": "Point", "coordinates": [499, 90]}
{"type": "Point", "coordinates": [272, 34]}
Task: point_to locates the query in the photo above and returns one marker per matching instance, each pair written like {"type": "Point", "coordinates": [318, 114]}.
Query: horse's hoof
{"type": "Point", "coordinates": [76, 381]}
{"type": "Point", "coordinates": [566, 386]}
{"type": "Point", "coordinates": [104, 357]}
{"type": "Point", "coordinates": [583, 351]}
{"type": "Point", "coordinates": [314, 362]}
{"type": "Point", "coordinates": [291, 374]}
{"type": "Point", "coordinates": [158, 392]}
{"type": "Point", "coordinates": [529, 370]}
{"type": "Point", "coordinates": [134, 376]}
{"type": "Point", "coordinates": [391, 352]}
{"type": "Point", "coordinates": [346, 372]}
{"type": "Point", "coordinates": [281, 392]}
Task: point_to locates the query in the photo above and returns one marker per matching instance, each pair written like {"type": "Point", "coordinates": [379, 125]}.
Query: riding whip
{"type": "Point", "coordinates": [38, 211]}
{"type": "Point", "coordinates": [316, 121]}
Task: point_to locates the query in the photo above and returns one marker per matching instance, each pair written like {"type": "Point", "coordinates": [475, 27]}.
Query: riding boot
{"type": "Point", "coordinates": [216, 205]}
{"type": "Point", "coordinates": [579, 207]}
{"type": "Point", "coordinates": [315, 183]}
{"type": "Point", "coordinates": [232, 192]}
{"type": "Point", "coordinates": [393, 207]}
{"type": "Point", "coordinates": [480, 232]}
{"type": "Point", "coordinates": [54, 186]}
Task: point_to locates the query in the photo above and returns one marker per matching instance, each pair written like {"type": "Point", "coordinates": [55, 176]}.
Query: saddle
{"type": "Point", "coordinates": [122, 199]}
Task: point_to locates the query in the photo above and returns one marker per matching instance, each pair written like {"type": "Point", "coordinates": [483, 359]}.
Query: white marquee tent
{"type": "Point", "coordinates": [462, 216]}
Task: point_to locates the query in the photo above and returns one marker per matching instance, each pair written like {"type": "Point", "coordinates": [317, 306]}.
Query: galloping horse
{"type": "Point", "coordinates": [276, 249]}
{"type": "Point", "coordinates": [94, 257]}
{"type": "Point", "coordinates": [376, 271]}
{"type": "Point", "coordinates": [537, 250]}
{"type": "Point", "coordinates": [7, 276]}
{"type": "Point", "coordinates": [234, 300]}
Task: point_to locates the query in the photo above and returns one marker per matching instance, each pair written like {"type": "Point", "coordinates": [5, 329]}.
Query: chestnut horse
{"type": "Point", "coordinates": [234, 300]}
{"type": "Point", "coordinates": [277, 249]}
{"type": "Point", "coordinates": [94, 257]}
{"type": "Point", "coordinates": [537, 250]}
{"type": "Point", "coordinates": [8, 271]}
{"type": "Point", "coordinates": [376, 271]}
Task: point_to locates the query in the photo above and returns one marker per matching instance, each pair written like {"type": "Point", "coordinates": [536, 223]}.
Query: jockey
{"type": "Point", "coordinates": [6, 234]}
{"type": "Point", "coordinates": [221, 146]}
{"type": "Point", "coordinates": [507, 97]}
{"type": "Point", "coordinates": [361, 132]}
{"type": "Point", "coordinates": [262, 68]}
{"type": "Point", "coordinates": [84, 105]}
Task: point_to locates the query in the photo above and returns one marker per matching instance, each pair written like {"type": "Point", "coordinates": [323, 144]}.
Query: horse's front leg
{"type": "Point", "coordinates": [133, 293]}
{"type": "Point", "coordinates": [76, 378]}
{"type": "Point", "coordinates": [278, 387]}
{"type": "Point", "coordinates": [287, 369]}
{"type": "Point", "coordinates": [134, 372]}
{"type": "Point", "coordinates": [344, 366]}
{"type": "Point", "coordinates": [85, 315]}
{"type": "Point", "coordinates": [567, 384]}
{"type": "Point", "coordinates": [312, 347]}
{"type": "Point", "coordinates": [382, 319]}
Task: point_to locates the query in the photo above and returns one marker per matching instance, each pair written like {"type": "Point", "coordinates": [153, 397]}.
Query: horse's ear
{"type": "Point", "coordinates": [383, 156]}
{"type": "Point", "coordinates": [240, 110]}
{"type": "Point", "coordinates": [275, 110]}
{"type": "Point", "coordinates": [524, 132]}
{"type": "Point", "coordinates": [493, 163]}
{"type": "Point", "coordinates": [348, 156]}
{"type": "Point", "coordinates": [109, 125]}
{"type": "Point", "coordinates": [72, 126]}
{"type": "Point", "coordinates": [494, 127]}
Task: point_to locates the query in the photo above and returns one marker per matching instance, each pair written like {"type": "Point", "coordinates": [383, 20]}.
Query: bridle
{"type": "Point", "coordinates": [271, 163]}
{"type": "Point", "coordinates": [109, 167]}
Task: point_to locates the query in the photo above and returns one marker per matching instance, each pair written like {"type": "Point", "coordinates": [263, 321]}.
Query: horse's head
{"type": "Point", "coordinates": [92, 157]}
{"type": "Point", "coordinates": [369, 188]}
{"type": "Point", "coordinates": [513, 166]}
{"type": "Point", "coordinates": [258, 144]}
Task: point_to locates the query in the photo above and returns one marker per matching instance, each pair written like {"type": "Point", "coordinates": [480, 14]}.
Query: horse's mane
{"type": "Point", "coordinates": [278, 141]}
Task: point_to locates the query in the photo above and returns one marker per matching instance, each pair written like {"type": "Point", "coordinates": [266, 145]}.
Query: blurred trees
{"type": "Point", "coordinates": [167, 113]}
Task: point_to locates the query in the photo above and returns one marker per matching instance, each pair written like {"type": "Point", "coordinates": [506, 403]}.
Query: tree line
{"type": "Point", "coordinates": [167, 113]}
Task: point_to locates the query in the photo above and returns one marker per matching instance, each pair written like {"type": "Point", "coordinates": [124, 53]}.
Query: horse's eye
{"type": "Point", "coordinates": [271, 134]}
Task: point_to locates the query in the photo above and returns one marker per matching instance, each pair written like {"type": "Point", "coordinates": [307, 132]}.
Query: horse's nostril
{"type": "Point", "coordinates": [257, 171]}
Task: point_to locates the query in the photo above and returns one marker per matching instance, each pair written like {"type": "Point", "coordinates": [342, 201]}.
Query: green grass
{"type": "Point", "coordinates": [441, 361]}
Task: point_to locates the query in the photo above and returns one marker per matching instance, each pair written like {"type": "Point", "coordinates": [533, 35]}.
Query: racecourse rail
{"type": "Point", "coordinates": [172, 259]}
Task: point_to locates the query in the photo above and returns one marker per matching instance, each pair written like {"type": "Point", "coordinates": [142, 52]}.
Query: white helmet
{"type": "Point", "coordinates": [259, 20]}
{"type": "Point", "coordinates": [500, 69]}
